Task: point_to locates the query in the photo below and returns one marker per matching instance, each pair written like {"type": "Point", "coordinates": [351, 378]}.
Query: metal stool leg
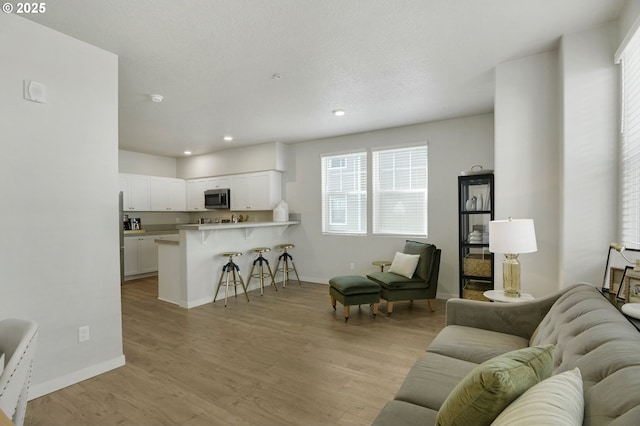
{"type": "Point", "coordinates": [230, 269]}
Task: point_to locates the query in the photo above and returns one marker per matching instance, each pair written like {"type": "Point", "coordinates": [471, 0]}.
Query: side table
{"type": "Point", "coordinates": [381, 264]}
{"type": "Point", "coordinates": [499, 296]}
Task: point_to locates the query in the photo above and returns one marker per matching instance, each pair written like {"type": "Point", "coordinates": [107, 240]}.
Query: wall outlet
{"type": "Point", "coordinates": [83, 334]}
{"type": "Point", "coordinates": [352, 266]}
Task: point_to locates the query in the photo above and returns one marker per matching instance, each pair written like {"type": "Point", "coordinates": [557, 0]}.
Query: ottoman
{"type": "Point", "coordinates": [354, 290]}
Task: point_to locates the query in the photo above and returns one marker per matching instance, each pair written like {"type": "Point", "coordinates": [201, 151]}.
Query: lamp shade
{"type": "Point", "coordinates": [512, 236]}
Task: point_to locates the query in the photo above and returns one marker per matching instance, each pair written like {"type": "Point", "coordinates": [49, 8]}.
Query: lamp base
{"type": "Point", "coordinates": [511, 275]}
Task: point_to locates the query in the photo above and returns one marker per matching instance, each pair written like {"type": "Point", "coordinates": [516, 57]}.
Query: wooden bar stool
{"type": "Point", "coordinates": [260, 260]}
{"type": "Point", "coordinates": [231, 269]}
{"type": "Point", "coordinates": [286, 259]}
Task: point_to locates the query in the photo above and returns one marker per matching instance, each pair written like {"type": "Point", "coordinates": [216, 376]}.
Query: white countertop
{"type": "Point", "coordinates": [218, 226]}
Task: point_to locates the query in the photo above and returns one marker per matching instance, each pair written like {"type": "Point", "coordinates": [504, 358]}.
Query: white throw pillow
{"type": "Point", "coordinates": [557, 400]}
{"type": "Point", "coordinates": [404, 264]}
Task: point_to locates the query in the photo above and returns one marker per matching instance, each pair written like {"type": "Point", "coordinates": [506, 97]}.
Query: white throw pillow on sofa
{"type": "Point", "coordinates": [557, 400]}
{"type": "Point", "coordinates": [404, 264]}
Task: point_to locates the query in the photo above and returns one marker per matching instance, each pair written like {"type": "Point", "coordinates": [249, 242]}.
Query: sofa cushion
{"type": "Point", "coordinates": [427, 258]}
{"type": "Point", "coordinates": [395, 281]}
{"type": "Point", "coordinates": [431, 380]}
{"type": "Point", "coordinates": [557, 400]}
{"type": "Point", "coordinates": [474, 344]}
{"type": "Point", "coordinates": [494, 384]}
{"type": "Point", "coordinates": [404, 264]}
{"type": "Point", "coordinates": [400, 413]}
{"type": "Point", "coordinates": [592, 335]}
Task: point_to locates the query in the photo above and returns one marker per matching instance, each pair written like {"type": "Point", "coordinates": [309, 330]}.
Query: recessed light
{"type": "Point", "coordinates": [277, 76]}
{"type": "Point", "coordinates": [157, 98]}
{"type": "Point", "coordinates": [187, 153]}
{"type": "Point", "coordinates": [228, 138]}
{"type": "Point", "coordinates": [338, 112]}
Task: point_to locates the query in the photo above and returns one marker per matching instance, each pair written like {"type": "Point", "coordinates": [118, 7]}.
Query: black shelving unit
{"type": "Point", "coordinates": [476, 209]}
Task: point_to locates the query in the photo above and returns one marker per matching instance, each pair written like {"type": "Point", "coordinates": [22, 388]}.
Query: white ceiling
{"type": "Point", "coordinates": [387, 63]}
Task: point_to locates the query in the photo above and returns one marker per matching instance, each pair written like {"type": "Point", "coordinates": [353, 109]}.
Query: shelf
{"type": "Point", "coordinates": [472, 189]}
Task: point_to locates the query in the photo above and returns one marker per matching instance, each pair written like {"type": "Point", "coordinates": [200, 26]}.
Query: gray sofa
{"type": "Point", "coordinates": [588, 331]}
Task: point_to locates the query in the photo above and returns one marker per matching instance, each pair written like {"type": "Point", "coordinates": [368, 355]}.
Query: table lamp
{"type": "Point", "coordinates": [512, 237]}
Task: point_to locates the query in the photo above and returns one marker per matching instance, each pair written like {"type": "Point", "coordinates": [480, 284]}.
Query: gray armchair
{"type": "Point", "coordinates": [423, 284]}
{"type": "Point", "coordinates": [18, 343]}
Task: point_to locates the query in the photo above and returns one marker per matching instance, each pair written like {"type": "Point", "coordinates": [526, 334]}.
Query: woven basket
{"type": "Point", "coordinates": [474, 290]}
{"type": "Point", "coordinates": [477, 265]}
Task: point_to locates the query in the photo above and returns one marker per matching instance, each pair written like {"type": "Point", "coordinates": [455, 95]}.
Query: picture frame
{"type": "Point", "coordinates": [615, 268]}
{"type": "Point", "coordinates": [629, 287]}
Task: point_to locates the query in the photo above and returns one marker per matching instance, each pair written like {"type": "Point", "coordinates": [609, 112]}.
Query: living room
{"type": "Point", "coordinates": [551, 142]}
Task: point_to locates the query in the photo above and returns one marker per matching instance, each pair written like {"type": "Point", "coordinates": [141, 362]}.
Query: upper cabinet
{"type": "Point", "coordinates": [167, 194]}
{"type": "Point", "coordinates": [256, 191]}
{"type": "Point", "coordinates": [135, 190]}
{"type": "Point", "coordinates": [249, 191]}
{"type": "Point", "coordinates": [195, 194]}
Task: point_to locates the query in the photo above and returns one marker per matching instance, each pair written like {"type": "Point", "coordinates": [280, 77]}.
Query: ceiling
{"type": "Point", "coordinates": [386, 63]}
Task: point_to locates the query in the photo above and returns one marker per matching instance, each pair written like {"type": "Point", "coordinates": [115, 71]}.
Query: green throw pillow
{"type": "Point", "coordinates": [490, 387]}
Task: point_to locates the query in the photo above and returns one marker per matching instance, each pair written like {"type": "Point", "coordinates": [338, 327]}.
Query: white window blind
{"type": "Point", "coordinates": [399, 191]}
{"type": "Point", "coordinates": [630, 150]}
{"type": "Point", "coordinates": [344, 193]}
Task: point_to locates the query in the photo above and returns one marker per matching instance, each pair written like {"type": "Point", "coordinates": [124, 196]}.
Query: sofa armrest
{"type": "Point", "coordinates": [518, 319]}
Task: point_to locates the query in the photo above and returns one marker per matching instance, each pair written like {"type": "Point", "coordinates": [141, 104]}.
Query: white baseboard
{"type": "Point", "coordinates": [58, 383]}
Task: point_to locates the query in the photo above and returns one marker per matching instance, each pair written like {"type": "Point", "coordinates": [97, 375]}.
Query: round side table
{"type": "Point", "coordinates": [381, 264]}
{"type": "Point", "coordinates": [499, 296]}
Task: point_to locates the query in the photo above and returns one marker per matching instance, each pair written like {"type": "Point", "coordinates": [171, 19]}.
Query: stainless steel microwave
{"type": "Point", "coordinates": [217, 199]}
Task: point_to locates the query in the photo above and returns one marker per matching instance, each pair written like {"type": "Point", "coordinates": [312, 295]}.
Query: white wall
{"type": "Point", "coordinates": [454, 145]}
{"type": "Point", "coordinates": [146, 164]}
{"type": "Point", "coordinates": [556, 133]}
{"type": "Point", "coordinates": [255, 158]}
{"type": "Point", "coordinates": [59, 261]}
{"type": "Point", "coordinates": [527, 158]}
{"type": "Point", "coordinates": [590, 156]}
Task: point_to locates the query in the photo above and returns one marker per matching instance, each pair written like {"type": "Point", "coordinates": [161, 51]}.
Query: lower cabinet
{"type": "Point", "coordinates": [141, 254]}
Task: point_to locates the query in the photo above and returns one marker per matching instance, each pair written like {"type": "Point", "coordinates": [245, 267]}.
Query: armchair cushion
{"type": "Point", "coordinates": [427, 258]}
{"type": "Point", "coordinates": [395, 281]}
{"type": "Point", "coordinates": [404, 264]}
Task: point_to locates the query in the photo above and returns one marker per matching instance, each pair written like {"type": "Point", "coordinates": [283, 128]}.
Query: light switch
{"type": "Point", "coordinates": [35, 92]}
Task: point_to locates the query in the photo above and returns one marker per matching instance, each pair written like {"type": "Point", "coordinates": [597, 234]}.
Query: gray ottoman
{"type": "Point", "coordinates": [354, 290]}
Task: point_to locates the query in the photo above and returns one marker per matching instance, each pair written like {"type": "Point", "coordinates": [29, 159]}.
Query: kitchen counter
{"type": "Point", "coordinates": [145, 233]}
{"type": "Point", "coordinates": [190, 266]}
{"type": "Point", "coordinates": [216, 226]}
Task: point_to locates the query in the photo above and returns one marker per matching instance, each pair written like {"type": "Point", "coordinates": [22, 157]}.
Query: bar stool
{"type": "Point", "coordinates": [286, 258]}
{"type": "Point", "coordinates": [231, 269]}
{"type": "Point", "coordinates": [260, 260]}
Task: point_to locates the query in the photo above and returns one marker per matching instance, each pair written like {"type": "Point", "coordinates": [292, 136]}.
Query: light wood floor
{"type": "Point", "coordinates": [285, 358]}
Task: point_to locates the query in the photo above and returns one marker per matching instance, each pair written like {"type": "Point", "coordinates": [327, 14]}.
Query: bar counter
{"type": "Point", "coordinates": [189, 266]}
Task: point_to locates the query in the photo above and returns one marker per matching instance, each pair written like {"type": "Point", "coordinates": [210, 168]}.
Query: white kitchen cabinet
{"type": "Point", "coordinates": [256, 191]}
{"type": "Point", "coordinates": [141, 254]}
{"type": "Point", "coordinates": [147, 254]}
{"type": "Point", "coordinates": [195, 194]}
{"type": "Point", "coordinates": [167, 194]}
{"type": "Point", "coordinates": [221, 182]}
{"type": "Point", "coordinates": [135, 189]}
{"type": "Point", "coordinates": [131, 266]}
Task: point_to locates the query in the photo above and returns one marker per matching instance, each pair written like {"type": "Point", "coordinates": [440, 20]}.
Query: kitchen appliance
{"type": "Point", "coordinates": [136, 223]}
{"type": "Point", "coordinates": [126, 222]}
{"type": "Point", "coordinates": [217, 199]}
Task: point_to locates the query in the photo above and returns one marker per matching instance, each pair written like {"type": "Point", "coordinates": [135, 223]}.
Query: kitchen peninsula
{"type": "Point", "coordinates": [190, 265]}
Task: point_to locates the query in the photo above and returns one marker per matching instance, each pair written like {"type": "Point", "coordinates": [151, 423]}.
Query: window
{"type": "Point", "coordinates": [399, 189]}
{"type": "Point", "coordinates": [398, 192]}
{"type": "Point", "coordinates": [344, 193]}
{"type": "Point", "coordinates": [630, 149]}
